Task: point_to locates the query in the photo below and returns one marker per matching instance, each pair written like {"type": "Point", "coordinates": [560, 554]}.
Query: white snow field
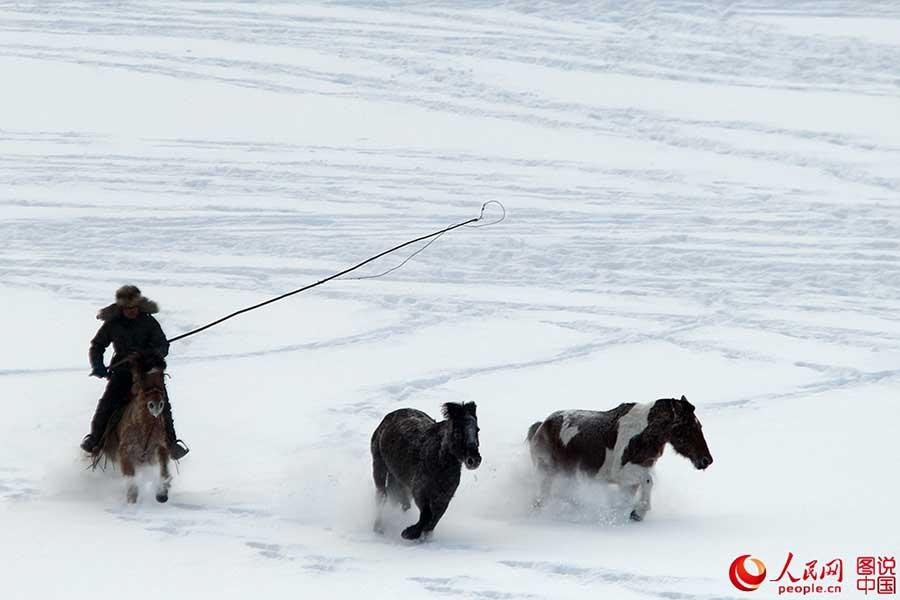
{"type": "Point", "coordinates": [703, 198]}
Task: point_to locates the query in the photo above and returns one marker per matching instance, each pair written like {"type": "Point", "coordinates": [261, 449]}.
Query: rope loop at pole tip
{"type": "Point", "coordinates": [437, 236]}
{"type": "Point", "coordinates": [481, 214]}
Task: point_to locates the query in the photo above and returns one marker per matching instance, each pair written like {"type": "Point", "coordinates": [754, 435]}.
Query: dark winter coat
{"type": "Point", "coordinates": [142, 334]}
{"type": "Point", "coordinates": [414, 456]}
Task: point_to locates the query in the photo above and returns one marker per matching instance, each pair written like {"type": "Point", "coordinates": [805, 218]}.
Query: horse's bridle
{"type": "Point", "coordinates": [161, 390]}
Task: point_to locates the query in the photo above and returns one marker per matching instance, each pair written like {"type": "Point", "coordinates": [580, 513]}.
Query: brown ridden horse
{"type": "Point", "coordinates": [139, 437]}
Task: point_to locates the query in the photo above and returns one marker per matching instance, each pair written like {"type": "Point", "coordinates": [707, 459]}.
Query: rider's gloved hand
{"type": "Point", "coordinates": [100, 371]}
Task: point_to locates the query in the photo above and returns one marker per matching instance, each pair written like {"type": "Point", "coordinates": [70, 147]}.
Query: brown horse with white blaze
{"type": "Point", "coordinates": [619, 446]}
{"type": "Point", "coordinates": [139, 437]}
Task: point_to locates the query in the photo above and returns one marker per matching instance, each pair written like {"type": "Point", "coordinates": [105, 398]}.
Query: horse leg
{"type": "Point", "coordinates": [398, 492]}
{"type": "Point", "coordinates": [642, 489]}
{"type": "Point", "coordinates": [643, 502]}
{"type": "Point", "coordinates": [128, 471]}
{"type": "Point", "coordinates": [413, 532]}
{"type": "Point", "coordinates": [438, 508]}
{"type": "Point", "coordinates": [165, 478]}
{"type": "Point", "coordinates": [546, 476]}
{"type": "Point", "coordinates": [380, 475]}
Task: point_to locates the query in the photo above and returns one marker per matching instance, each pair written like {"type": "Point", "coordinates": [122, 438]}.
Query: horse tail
{"type": "Point", "coordinates": [379, 467]}
{"type": "Point", "coordinates": [532, 430]}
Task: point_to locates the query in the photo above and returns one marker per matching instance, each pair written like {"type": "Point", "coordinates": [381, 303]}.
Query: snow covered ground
{"type": "Point", "coordinates": [703, 199]}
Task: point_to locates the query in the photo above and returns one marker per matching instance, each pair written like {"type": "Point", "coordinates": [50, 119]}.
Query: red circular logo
{"type": "Point", "coordinates": [743, 579]}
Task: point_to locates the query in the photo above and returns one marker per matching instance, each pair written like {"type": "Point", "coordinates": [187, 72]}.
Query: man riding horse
{"type": "Point", "coordinates": [128, 325]}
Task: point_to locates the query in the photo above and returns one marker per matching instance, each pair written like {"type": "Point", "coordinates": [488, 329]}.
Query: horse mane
{"type": "Point", "coordinates": [147, 362]}
{"type": "Point", "coordinates": [457, 410]}
{"type": "Point", "coordinates": [677, 409]}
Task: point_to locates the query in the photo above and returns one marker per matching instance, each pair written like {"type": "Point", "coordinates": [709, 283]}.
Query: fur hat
{"type": "Point", "coordinates": [127, 296]}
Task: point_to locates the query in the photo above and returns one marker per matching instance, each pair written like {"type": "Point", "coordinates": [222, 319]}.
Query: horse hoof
{"type": "Point", "coordinates": [162, 498]}
{"type": "Point", "coordinates": [411, 533]}
{"type": "Point", "coordinates": [635, 516]}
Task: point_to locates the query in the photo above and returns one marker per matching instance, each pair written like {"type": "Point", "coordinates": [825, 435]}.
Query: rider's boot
{"type": "Point", "coordinates": [90, 444]}
{"type": "Point", "coordinates": [177, 448]}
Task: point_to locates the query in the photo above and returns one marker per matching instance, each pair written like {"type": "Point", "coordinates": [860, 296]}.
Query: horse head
{"type": "Point", "coordinates": [148, 375]}
{"type": "Point", "coordinates": [463, 433]}
{"type": "Point", "coordinates": [687, 434]}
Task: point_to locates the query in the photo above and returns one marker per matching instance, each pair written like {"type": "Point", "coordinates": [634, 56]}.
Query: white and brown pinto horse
{"type": "Point", "coordinates": [618, 446]}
